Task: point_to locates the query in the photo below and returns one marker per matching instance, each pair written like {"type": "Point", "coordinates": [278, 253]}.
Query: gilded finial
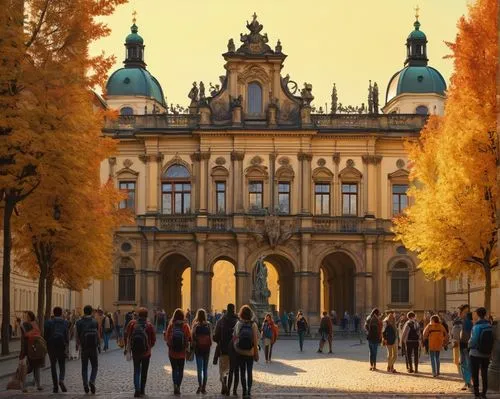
{"type": "Point", "coordinates": [134, 17]}
{"type": "Point", "coordinates": [254, 16]}
{"type": "Point", "coordinates": [417, 12]}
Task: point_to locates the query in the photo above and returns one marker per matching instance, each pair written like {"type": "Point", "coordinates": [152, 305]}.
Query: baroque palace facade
{"type": "Point", "coordinates": [250, 171]}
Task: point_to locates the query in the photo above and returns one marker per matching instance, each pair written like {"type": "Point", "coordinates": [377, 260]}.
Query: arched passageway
{"type": "Point", "coordinates": [223, 285]}
{"type": "Point", "coordinates": [337, 283]}
{"type": "Point", "coordinates": [175, 283]}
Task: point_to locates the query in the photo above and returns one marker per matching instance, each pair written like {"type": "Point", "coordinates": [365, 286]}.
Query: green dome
{"type": "Point", "coordinates": [417, 33]}
{"type": "Point", "coordinates": [134, 82]}
{"type": "Point", "coordinates": [416, 79]}
{"type": "Point", "coordinates": [134, 37]}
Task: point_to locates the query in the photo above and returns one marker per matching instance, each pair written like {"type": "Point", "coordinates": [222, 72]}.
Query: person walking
{"type": "Point", "coordinates": [325, 332]}
{"type": "Point", "coordinates": [228, 360]}
{"type": "Point", "coordinates": [456, 327]}
{"type": "Point", "coordinates": [246, 344]}
{"type": "Point", "coordinates": [481, 346]}
{"type": "Point", "coordinates": [436, 334]}
{"type": "Point", "coordinates": [302, 327]}
{"type": "Point", "coordinates": [139, 338]}
{"type": "Point", "coordinates": [464, 337]}
{"type": "Point", "coordinates": [56, 334]}
{"type": "Point", "coordinates": [389, 335]}
{"type": "Point", "coordinates": [87, 338]}
{"type": "Point", "coordinates": [284, 322]}
{"type": "Point", "coordinates": [410, 341]}
{"type": "Point", "coordinates": [291, 322]}
{"type": "Point", "coordinates": [108, 327]}
{"type": "Point", "coordinates": [202, 342]}
{"type": "Point", "coordinates": [33, 348]}
{"type": "Point", "coordinates": [373, 327]}
{"type": "Point", "coordinates": [178, 339]}
{"type": "Point", "coordinates": [269, 334]}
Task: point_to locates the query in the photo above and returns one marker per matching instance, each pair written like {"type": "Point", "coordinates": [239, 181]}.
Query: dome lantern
{"type": "Point", "coordinates": [416, 45]}
{"type": "Point", "coordinates": [134, 44]}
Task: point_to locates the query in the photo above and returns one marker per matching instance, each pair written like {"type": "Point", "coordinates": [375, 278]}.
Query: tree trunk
{"type": "Point", "coordinates": [41, 296]}
{"type": "Point", "coordinates": [487, 287]}
{"type": "Point", "coordinates": [7, 246]}
{"type": "Point", "coordinates": [49, 284]}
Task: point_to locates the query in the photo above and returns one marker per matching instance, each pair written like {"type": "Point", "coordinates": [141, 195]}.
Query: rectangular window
{"type": "Point", "coordinates": [220, 196]}
{"type": "Point", "coordinates": [399, 198]}
{"type": "Point", "coordinates": [126, 284]}
{"type": "Point", "coordinates": [349, 199]}
{"type": "Point", "coordinates": [322, 198]}
{"type": "Point", "coordinates": [284, 197]}
{"type": "Point", "coordinates": [127, 187]}
{"type": "Point", "coordinates": [400, 287]}
{"type": "Point", "coordinates": [176, 198]}
{"type": "Point", "coordinates": [256, 191]}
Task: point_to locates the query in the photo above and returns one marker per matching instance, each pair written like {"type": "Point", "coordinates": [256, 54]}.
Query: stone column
{"type": "Point", "coordinates": [243, 277]}
{"type": "Point", "coordinates": [203, 181]}
{"type": "Point", "coordinates": [237, 160]}
{"type": "Point", "coordinates": [305, 162]}
{"type": "Point", "coordinates": [369, 302]}
{"type": "Point", "coordinates": [195, 183]}
{"type": "Point", "coordinates": [335, 195]}
{"type": "Point", "coordinates": [199, 298]}
{"type": "Point", "coordinates": [272, 186]}
{"type": "Point", "coordinates": [112, 167]}
{"type": "Point", "coordinates": [372, 161]}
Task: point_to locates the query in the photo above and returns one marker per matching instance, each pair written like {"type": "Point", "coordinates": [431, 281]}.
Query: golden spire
{"type": "Point", "coordinates": [134, 17]}
{"type": "Point", "coordinates": [417, 12]}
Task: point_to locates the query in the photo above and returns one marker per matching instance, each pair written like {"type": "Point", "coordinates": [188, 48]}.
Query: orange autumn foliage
{"type": "Point", "coordinates": [452, 224]}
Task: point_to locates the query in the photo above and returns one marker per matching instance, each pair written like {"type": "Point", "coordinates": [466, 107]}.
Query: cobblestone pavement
{"type": "Point", "coordinates": [291, 374]}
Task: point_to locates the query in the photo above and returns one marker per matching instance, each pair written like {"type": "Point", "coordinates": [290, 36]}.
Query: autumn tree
{"type": "Point", "coordinates": [452, 225]}
{"type": "Point", "coordinates": [44, 47]}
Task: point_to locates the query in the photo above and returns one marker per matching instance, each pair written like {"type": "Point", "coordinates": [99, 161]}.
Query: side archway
{"type": "Point", "coordinates": [223, 283]}
{"type": "Point", "coordinates": [175, 282]}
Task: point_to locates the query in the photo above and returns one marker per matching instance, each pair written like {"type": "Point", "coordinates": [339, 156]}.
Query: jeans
{"type": "Point", "coordinates": [141, 366]}
{"type": "Point", "coordinates": [435, 362]}
{"type": "Point", "coordinates": [86, 356]}
{"type": "Point", "coordinates": [465, 365]}
{"type": "Point", "coordinates": [202, 367]}
{"type": "Point", "coordinates": [392, 355]}
{"type": "Point", "coordinates": [107, 335]}
{"type": "Point", "coordinates": [412, 355]}
{"type": "Point", "coordinates": [268, 351]}
{"type": "Point", "coordinates": [177, 370]}
{"type": "Point", "coordinates": [373, 348]}
{"type": "Point", "coordinates": [246, 369]}
{"type": "Point", "coordinates": [301, 339]}
{"type": "Point", "coordinates": [118, 332]}
{"type": "Point", "coordinates": [57, 357]}
{"type": "Point", "coordinates": [476, 364]}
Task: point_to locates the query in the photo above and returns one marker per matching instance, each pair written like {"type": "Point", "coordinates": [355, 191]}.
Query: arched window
{"type": "Point", "coordinates": [254, 98]}
{"type": "Point", "coordinates": [422, 110]}
{"type": "Point", "coordinates": [126, 284]}
{"type": "Point", "coordinates": [176, 190]}
{"type": "Point", "coordinates": [126, 111]}
{"type": "Point", "coordinates": [400, 283]}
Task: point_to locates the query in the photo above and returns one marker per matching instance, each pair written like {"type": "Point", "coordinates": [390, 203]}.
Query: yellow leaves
{"type": "Point", "coordinates": [452, 222]}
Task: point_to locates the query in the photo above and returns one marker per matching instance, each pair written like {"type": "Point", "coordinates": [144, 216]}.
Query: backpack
{"type": "Point", "coordinates": [178, 344]}
{"type": "Point", "coordinates": [203, 339]}
{"type": "Point", "coordinates": [412, 332]}
{"type": "Point", "coordinates": [59, 334]}
{"type": "Point", "coordinates": [89, 338]}
{"type": "Point", "coordinates": [245, 336]}
{"type": "Point", "coordinates": [268, 331]}
{"type": "Point", "coordinates": [139, 340]}
{"type": "Point", "coordinates": [465, 334]}
{"type": "Point", "coordinates": [485, 341]}
{"type": "Point", "coordinates": [107, 323]}
{"type": "Point", "coordinates": [373, 334]}
{"type": "Point", "coordinates": [37, 347]}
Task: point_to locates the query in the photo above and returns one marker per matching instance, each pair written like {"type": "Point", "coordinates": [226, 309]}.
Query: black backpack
{"type": "Point", "coordinates": [486, 340]}
{"type": "Point", "coordinates": [373, 334]}
{"type": "Point", "coordinates": [178, 344]}
{"type": "Point", "coordinates": [245, 336]}
{"type": "Point", "coordinates": [89, 338]}
{"type": "Point", "coordinates": [59, 333]}
{"type": "Point", "coordinates": [412, 332]}
{"type": "Point", "coordinates": [139, 340]}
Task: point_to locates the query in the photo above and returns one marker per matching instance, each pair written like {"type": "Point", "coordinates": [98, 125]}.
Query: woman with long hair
{"type": "Point", "coordinates": [246, 344]}
{"type": "Point", "coordinates": [202, 342]}
{"type": "Point", "coordinates": [437, 337]}
{"type": "Point", "coordinates": [269, 335]}
{"type": "Point", "coordinates": [178, 338]}
{"type": "Point", "coordinates": [30, 332]}
{"type": "Point", "coordinates": [373, 327]}
{"type": "Point", "coordinates": [389, 334]}
{"type": "Point", "coordinates": [302, 327]}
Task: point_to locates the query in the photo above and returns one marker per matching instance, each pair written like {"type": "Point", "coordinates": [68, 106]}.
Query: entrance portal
{"type": "Point", "coordinates": [337, 283]}
{"type": "Point", "coordinates": [175, 283]}
{"type": "Point", "coordinates": [280, 282]}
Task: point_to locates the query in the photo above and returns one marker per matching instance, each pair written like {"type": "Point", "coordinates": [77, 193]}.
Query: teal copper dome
{"type": "Point", "coordinates": [134, 82]}
{"type": "Point", "coordinates": [416, 79]}
{"type": "Point", "coordinates": [417, 33]}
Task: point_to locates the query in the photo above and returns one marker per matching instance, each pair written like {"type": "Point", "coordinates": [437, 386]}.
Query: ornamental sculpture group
{"type": "Point", "coordinates": [260, 291]}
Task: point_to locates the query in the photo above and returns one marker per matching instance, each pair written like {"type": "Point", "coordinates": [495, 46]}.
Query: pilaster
{"type": "Point", "coordinates": [237, 160]}
{"type": "Point", "coordinates": [305, 167]}
{"type": "Point", "coordinates": [372, 196]}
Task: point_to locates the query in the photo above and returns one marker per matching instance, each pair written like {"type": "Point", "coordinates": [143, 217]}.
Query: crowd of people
{"type": "Point", "coordinates": [238, 339]}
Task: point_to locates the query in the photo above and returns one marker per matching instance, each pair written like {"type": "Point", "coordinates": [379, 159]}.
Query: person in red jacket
{"type": "Point", "coordinates": [178, 338]}
{"type": "Point", "coordinates": [140, 337]}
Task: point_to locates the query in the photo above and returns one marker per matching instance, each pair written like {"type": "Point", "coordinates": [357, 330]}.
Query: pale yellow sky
{"type": "Point", "coordinates": [327, 41]}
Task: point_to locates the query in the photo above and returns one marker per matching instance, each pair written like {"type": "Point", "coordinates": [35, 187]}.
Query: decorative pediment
{"type": "Point", "coordinates": [254, 72]}
{"type": "Point", "coordinates": [256, 172]}
{"type": "Point", "coordinates": [322, 173]}
{"type": "Point", "coordinates": [285, 172]}
{"type": "Point", "coordinates": [127, 173]}
{"type": "Point", "coordinates": [219, 172]}
{"type": "Point", "coordinates": [399, 174]}
{"type": "Point", "coordinates": [350, 173]}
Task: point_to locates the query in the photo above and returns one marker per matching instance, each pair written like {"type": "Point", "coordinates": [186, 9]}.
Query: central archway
{"type": "Point", "coordinates": [337, 283]}
{"type": "Point", "coordinates": [175, 283]}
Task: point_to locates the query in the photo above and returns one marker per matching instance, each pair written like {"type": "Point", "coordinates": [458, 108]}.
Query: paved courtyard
{"type": "Point", "coordinates": [291, 374]}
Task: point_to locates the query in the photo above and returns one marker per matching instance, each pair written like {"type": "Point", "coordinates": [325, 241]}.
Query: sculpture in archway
{"type": "Point", "coordinates": [260, 292]}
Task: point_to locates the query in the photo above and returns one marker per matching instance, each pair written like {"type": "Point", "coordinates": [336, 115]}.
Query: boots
{"type": "Point", "coordinates": [204, 389]}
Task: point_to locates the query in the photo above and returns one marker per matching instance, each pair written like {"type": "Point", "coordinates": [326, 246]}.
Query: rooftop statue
{"type": "Point", "coordinates": [306, 94]}
{"type": "Point", "coordinates": [370, 98]}
{"type": "Point", "coordinates": [375, 98]}
{"type": "Point", "coordinates": [231, 48]}
{"type": "Point", "coordinates": [203, 98]}
{"type": "Point", "coordinates": [254, 42]}
{"type": "Point", "coordinates": [193, 94]}
{"type": "Point", "coordinates": [335, 100]}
